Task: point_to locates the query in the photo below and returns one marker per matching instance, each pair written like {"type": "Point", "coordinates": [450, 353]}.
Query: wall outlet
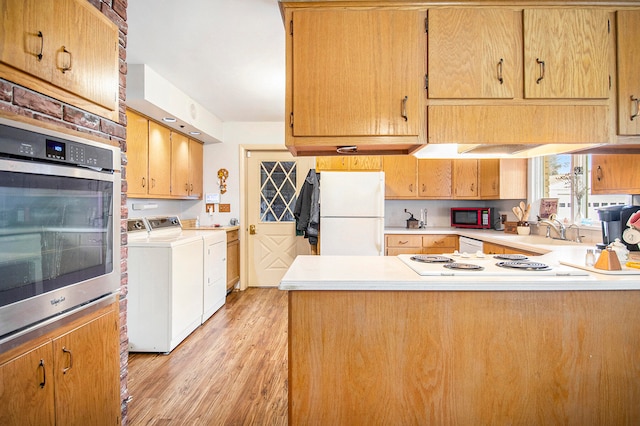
{"type": "Point", "coordinates": [224, 208]}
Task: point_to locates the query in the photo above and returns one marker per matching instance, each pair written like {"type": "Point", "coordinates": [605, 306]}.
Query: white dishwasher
{"type": "Point", "coordinates": [470, 245]}
{"type": "Point", "coordinates": [165, 286]}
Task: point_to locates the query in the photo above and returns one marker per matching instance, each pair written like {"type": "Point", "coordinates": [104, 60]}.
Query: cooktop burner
{"type": "Point", "coordinates": [527, 266]}
{"type": "Point", "coordinates": [510, 257]}
{"type": "Point", "coordinates": [431, 259]}
{"type": "Point", "coordinates": [463, 266]}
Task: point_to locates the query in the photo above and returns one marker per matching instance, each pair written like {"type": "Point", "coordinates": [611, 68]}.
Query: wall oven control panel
{"type": "Point", "coordinates": [24, 144]}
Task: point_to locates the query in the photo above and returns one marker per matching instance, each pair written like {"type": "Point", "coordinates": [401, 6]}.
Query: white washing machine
{"type": "Point", "coordinates": [165, 290]}
{"type": "Point", "coordinates": [214, 292]}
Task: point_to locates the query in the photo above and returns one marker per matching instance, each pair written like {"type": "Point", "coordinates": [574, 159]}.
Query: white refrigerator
{"type": "Point", "coordinates": [352, 213]}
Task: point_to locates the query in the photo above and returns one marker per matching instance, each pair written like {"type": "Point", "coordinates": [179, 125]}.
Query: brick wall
{"type": "Point", "coordinates": [18, 100]}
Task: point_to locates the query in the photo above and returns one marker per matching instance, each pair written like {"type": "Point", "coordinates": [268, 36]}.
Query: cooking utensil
{"type": "Point", "coordinates": [517, 212]}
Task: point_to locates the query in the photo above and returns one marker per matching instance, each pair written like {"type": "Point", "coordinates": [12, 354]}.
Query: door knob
{"type": "Point", "coordinates": [252, 229]}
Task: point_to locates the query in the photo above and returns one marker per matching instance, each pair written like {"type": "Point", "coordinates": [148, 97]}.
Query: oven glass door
{"type": "Point", "coordinates": [55, 231]}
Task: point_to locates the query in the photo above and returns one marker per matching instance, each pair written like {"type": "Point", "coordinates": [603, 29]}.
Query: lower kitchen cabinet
{"type": "Point", "coordinates": [233, 259]}
{"type": "Point", "coordinates": [492, 248]}
{"type": "Point", "coordinates": [420, 244]}
{"type": "Point", "coordinates": [69, 376]}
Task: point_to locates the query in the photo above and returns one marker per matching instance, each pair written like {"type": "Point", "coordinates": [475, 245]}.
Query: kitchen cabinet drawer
{"type": "Point", "coordinates": [439, 244]}
{"type": "Point", "coordinates": [404, 241]}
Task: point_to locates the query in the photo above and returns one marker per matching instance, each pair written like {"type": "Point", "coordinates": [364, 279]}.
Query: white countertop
{"type": "Point", "coordinates": [390, 273]}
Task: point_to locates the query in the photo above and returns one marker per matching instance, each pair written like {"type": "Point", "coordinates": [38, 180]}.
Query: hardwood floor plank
{"type": "Point", "coordinates": [230, 371]}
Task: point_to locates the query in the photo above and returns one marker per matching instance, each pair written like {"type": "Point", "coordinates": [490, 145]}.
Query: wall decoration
{"type": "Point", "coordinates": [223, 174]}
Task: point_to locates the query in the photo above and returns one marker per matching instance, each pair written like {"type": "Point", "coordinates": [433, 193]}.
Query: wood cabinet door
{"type": "Point", "coordinates": [474, 53]}
{"type": "Point", "coordinates": [28, 36]}
{"type": "Point", "coordinates": [179, 165]}
{"type": "Point", "coordinates": [628, 25]}
{"type": "Point", "coordinates": [233, 263]}
{"type": "Point", "coordinates": [465, 179]}
{"type": "Point", "coordinates": [358, 72]}
{"type": "Point", "coordinates": [26, 388]}
{"type": "Point", "coordinates": [513, 178]}
{"type": "Point", "coordinates": [566, 53]}
{"type": "Point", "coordinates": [491, 248]}
{"type": "Point", "coordinates": [400, 176]}
{"type": "Point", "coordinates": [434, 178]}
{"type": "Point", "coordinates": [196, 156]}
{"type": "Point", "coordinates": [365, 163]}
{"type": "Point", "coordinates": [615, 174]}
{"type": "Point", "coordinates": [137, 154]}
{"type": "Point", "coordinates": [159, 159]}
{"type": "Point", "coordinates": [87, 61]}
{"type": "Point", "coordinates": [87, 373]}
{"type": "Point", "coordinates": [337, 163]}
{"type": "Point", "coordinates": [489, 178]}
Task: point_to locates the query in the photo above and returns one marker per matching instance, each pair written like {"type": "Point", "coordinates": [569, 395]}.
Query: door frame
{"type": "Point", "coordinates": [244, 231]}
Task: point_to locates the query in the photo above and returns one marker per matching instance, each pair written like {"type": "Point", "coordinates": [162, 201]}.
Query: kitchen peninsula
{"type": "Point", "coordinates": [373, 342]}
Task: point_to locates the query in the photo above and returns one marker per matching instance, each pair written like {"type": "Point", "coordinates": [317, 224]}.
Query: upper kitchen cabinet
{"type": "Point", "coordinates": [566, 53]}
{"type": "Point", "coordinates": [66, 49]}
{"type": "Point", "coordinates": [349, 163]}
{"type": "Point", "coordinates": [400, 176]}
{"type": "Point", "coordinates": [465, 179]}
{"type": "Point", "coordinates": [628, 25]}
{"type": "Point", "coordinates": [186, 159]}
{"type": "Point", "coordinates": [137, 154]}
{"type": "Point", "coordinates": [355, 79]}
{"type": "Point", "coordinates": [502, 178]}
{"type": "Point", "coordinates": [161, 163]}
{"type": "Point", "coordinates": [474, 53]}
{"type": "Point", "coordinates": [434, 178]}
{"type": "Point", "coordinates": [159, 160]}
{"type": "Point", "coordinates": [615, 174]}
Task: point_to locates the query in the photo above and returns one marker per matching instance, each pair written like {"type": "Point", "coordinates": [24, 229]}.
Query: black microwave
{"type": "Point", "coordinates": [472, 217]}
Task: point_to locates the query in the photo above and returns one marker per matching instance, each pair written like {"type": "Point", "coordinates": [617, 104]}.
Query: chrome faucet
{"type": "Point", "coordinates": [556, 225]}
{"type": "Point", "coordinates": [578, 236]}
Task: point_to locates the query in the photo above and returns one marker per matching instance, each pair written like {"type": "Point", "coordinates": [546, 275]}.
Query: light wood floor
{"type": "Point", "coordinates": [231, 371]}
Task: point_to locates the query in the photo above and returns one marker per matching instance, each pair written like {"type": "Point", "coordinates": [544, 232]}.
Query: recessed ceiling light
{"type": "Point", "coordinates": [194, 133]}
{"type": "Point", "coordinates": [169, 120]}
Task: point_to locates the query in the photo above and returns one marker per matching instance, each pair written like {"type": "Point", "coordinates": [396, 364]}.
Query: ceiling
{"type": "Point", "coordinates": [227, 55]}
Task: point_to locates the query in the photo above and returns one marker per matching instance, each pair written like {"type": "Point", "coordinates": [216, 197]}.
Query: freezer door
{"type": "Point", "coordinates": [352, 236]}
{"type": "Point", "coordinates": [353, 194]}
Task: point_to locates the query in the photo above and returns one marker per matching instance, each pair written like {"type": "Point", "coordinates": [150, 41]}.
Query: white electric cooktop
{"type": "Point", "coordinates": [484, 265]}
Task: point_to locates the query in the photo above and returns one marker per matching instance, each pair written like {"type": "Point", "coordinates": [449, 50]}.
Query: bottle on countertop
{"type": "Point", "coordinates": [197, 221]}
{"type": "Point", "coordinates": [590, 258]}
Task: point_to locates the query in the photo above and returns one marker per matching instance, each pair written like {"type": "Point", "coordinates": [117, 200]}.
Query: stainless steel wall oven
{"type": "Point", "coordinates": [59, 225]}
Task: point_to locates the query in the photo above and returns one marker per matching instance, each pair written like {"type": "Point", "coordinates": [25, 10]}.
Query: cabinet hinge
{"type": "Point", "coordinates": [426, 82]}
{"type": "Point", "coordinates": [291, 27]}
{"type": "Point", "coordinates": [426, 25]}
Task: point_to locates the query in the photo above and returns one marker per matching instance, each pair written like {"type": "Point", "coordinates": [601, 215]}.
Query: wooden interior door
{"type": "Point", "coordinates": [474, 53]}
{"type": "Point", "coordinates": [274, 178]}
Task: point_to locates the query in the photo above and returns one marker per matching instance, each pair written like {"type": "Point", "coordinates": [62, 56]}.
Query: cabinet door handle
{"type": "Point", "coordinates": [410, 187]}
{"type": "Point", "coordinates": [599, 173]}
{"type": "Point", "coordinates": [39, 55]}
{"type": "Point", "coordinates": [67, 68]}
{"type": "Point", "coordinates": [634, 103]}
{"type": "Point", "coordinates": [404, 108]}
{"type": "Point", "coordinates": [403, 242]}
{"type": "Point", "coordinates": [144, 182]}
{"type": "Point", "coordinates": [70, 363]}
{"type": "Point", "coordinates": [44, 374]}
{"type": "Point", "coordinates": [500, 79]}
{"type": "Point", "coordinates": [541, 63]}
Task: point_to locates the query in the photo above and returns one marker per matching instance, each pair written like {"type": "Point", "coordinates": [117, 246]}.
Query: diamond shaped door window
{"type": "Point", "coordinates": [277, 191]}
